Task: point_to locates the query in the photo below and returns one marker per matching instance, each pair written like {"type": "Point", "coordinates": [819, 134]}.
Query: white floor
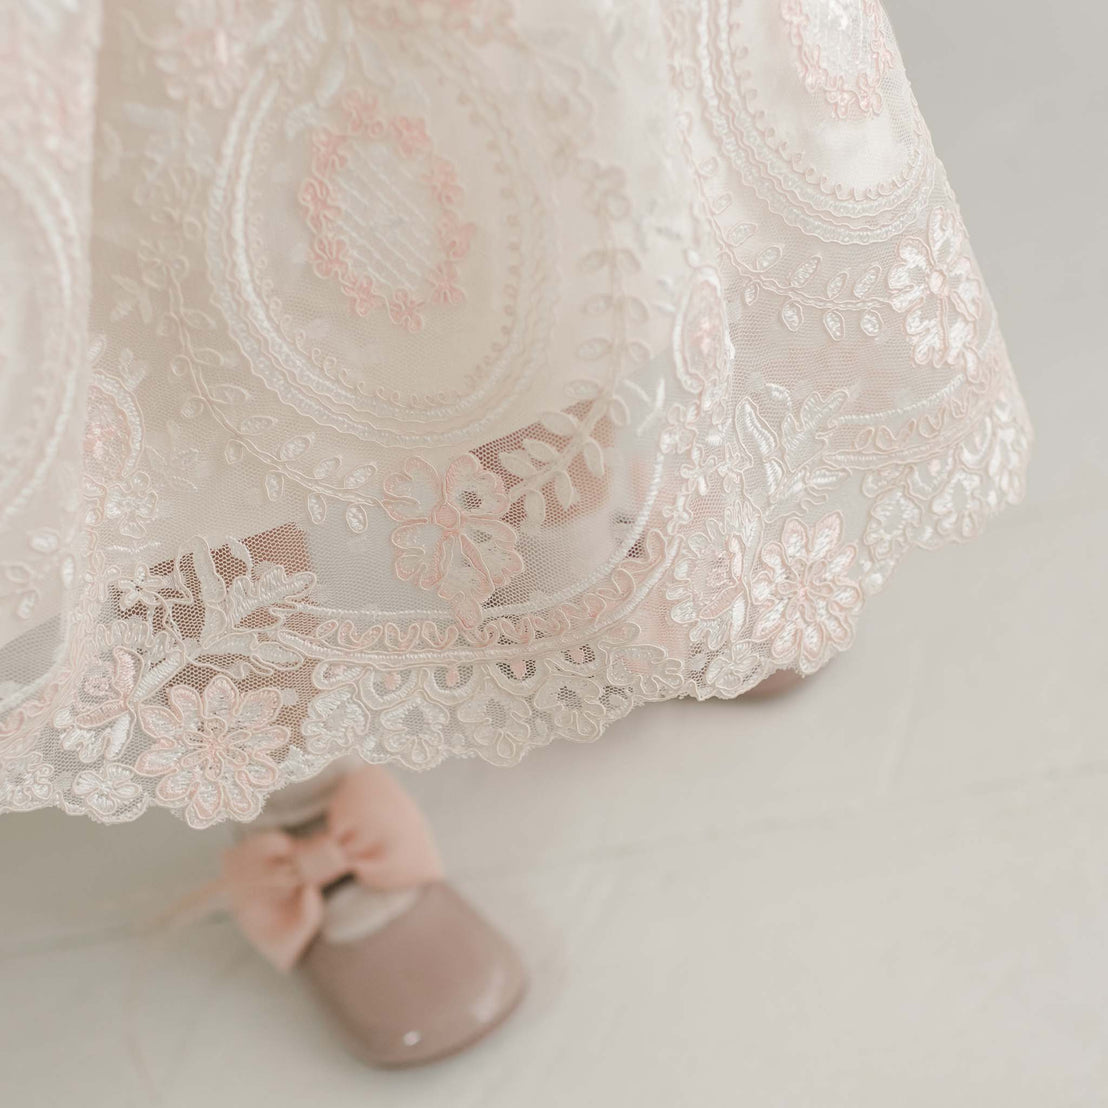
{"type": "Point", "coordinates": [889, 890]}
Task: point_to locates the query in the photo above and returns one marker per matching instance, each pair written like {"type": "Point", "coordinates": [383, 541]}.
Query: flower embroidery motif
{"type": "Point", "coordinates": [646, 670]}
{"type": "Point", "coordinates": [960, 507]}
{"type": "Point", "coordinates": [731, 672]}
{"type": "Point", "coordinates": [574, 705]}
{"type": "Point", "coordinates": [806, 603]}
{"type": "Point", "coordinates": [213, 750]}
{"type": "Point", "coordinates": [335, 722]}
{"type": "Point", "coordinates": [404, 311]}
{"type": "Point", "coordinates": [98, 724]}
{"type": "Point", "coordinates": [330, 259]}
{"type": "Point", "coordinates": [936, 285]}
{"type": "Point", "coordinates": [107, 790]}
{"type": "Point", "coordinates": [499, 722]}
{"type": "Point", "coordinates": [895, 522]}
{"type": "Point", "coordinates": [707, 587]}
{"type": "Point", "coordinates": [140, 586]}
{"type": "Point", "coordinates": [26, 782]}
{"type": "Point", "coordinates": [131, 505]}
{"type": "Point", "coordinates": [451, 539]}
{"type": "Point", "coordinates": [416, 728]}
{"type": "Point", "coordinates": [680, 432]}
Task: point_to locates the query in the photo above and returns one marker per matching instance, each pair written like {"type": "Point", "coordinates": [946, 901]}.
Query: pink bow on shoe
{"type": "Point", "coordinates": [275, 882]}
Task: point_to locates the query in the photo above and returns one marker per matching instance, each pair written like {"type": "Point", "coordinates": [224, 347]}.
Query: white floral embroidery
{"type": "Point", "coordinates": [335, 722]}
{"type": "Point", "coordinates": [644, 669]}
{"type": "Point", "coordinates": [107, 791]}
{"type": "Point", "coordinates": [708, 589]}
{"type": "Point", "coordinates": [960, 507]}
{"type": "Point", "coordinates": [26, 781]}
{"type": "Point", "coordinates": [99, 724]}
{"type": "Point", "coordinates": [731, 672]}
{"type": "Point", "coordinates": [498, 722]}
{"type": "Point", "coordinates": [131, 505]}
{"type": "Point", "coordinates": [937, 286]}
{"type": "Point", "coordinates": [806, 602]}
{"type": "Point", "coordinates": [1007, 461]}
{"type": "Point", "coordinates": [140, 586]}
{"type": "Point", "coordinates": [574, 705]}
{"type": "Point", "coordinates": [416, 729]}
{"type": "Point", "coordinates": [894, 525]}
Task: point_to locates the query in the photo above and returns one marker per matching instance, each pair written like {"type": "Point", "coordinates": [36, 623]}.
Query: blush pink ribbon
{"type": "Point", "coordinates": [274, 881]}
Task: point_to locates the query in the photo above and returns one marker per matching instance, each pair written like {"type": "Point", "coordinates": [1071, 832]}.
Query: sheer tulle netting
{"type": "Point", "coordinates": [415, 378]}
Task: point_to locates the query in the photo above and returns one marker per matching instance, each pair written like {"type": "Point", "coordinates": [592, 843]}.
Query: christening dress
{"type": "Point", "coordinates": [418, 378]}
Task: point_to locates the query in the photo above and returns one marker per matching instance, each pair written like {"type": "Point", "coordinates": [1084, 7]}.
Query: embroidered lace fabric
{"type": "Point", "coordinates": [415, 378]}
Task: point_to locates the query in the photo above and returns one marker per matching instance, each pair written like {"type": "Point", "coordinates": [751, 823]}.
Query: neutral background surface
{"type": "Point", "coordinates": [889, 890]}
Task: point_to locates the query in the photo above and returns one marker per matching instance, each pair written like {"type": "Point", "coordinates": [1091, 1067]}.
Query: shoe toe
{"type": "Point", "coordinates": [431, 982]}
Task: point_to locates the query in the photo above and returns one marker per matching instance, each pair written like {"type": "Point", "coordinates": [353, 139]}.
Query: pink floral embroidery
{"type": "Point", "coordinates": [213, 750]}
{"type": "Point", "coordinates": [937, 287]}
{"type": "Point", "coordinates": [806, 604]}
{"type": "Point", "coordinates": [444, 281]}
{"type": "Point", "coordinates": [455, 236]}
{"type": "Point", "coordinates": [362, 116]}
{"type": "Point", "coordinates": [329, 259]}
{"type": "Point", "coordinates": [452, 540]}
{"type": "Point", "coordinates": [328, 155]}
{"type": "Point", "coordinates": [319, 204]}
{"type": "Point", "coordinates": [404, 311]}
{"type": "Point", "coordinates": [364, 296]}
{"type": "Point", "coordinates": [443, 179]}
{"type": "Point", "coordinates": [382, 207]}
{"type": "Point", "coordinates": [411, 135]}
